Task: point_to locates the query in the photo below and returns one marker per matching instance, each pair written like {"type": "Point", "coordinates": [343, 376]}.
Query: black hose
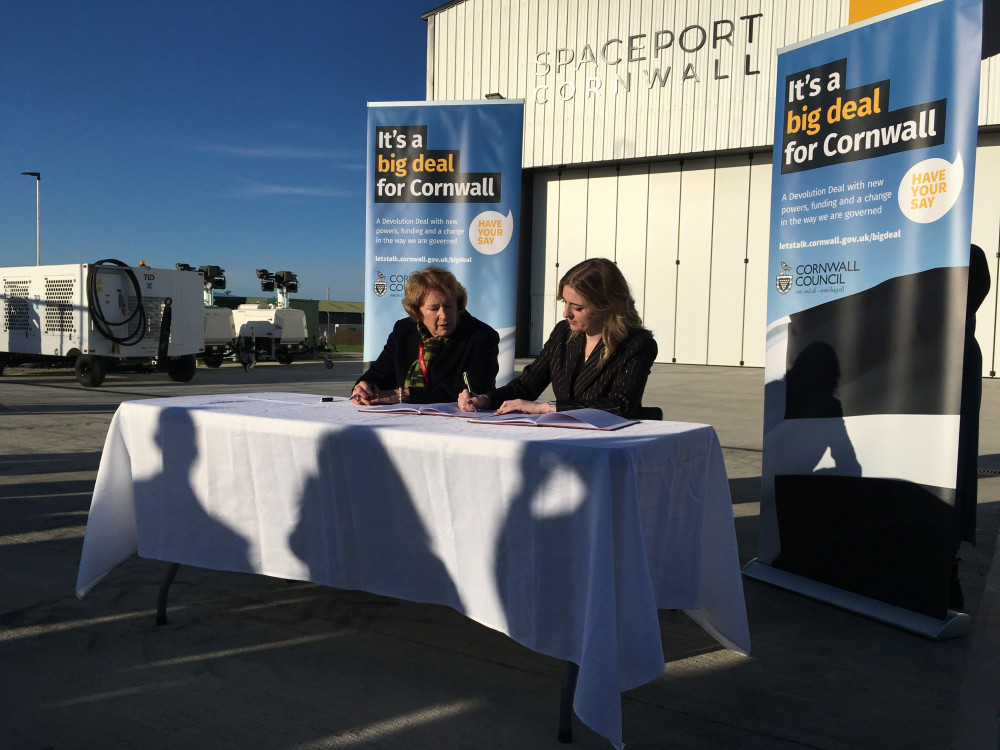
{"type": "Point", "coordinates": [101, 323]}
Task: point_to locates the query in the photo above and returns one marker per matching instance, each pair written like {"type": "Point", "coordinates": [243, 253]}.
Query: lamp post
{"type": "Point", "coordinates": [38, 215]}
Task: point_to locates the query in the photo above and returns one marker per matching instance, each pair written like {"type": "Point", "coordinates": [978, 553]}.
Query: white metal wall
{"type": "Point", "coordinates": [986, 234]}
{"type": "Point", "coordinates": [570, 61]}
{"type": "Point", "coordinates": [691, 237]}
{"type": "Point", "coordinates": [688, 237]}
{"type": "Point", "coordinates": [690, 234]}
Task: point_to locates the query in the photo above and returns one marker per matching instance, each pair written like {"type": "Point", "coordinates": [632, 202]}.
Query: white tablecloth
{"type": "Point", "coordinates": [566, 540]}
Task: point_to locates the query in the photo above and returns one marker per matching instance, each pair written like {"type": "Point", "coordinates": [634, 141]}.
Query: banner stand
{"type": "Point", "coordinates": [866, 315]}
{"type": "Point", "coordinates": [956, 625]}
{"type": "Point", "coordinates": [444, 189]}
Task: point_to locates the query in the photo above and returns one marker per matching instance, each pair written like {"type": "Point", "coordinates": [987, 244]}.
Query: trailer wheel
{"type": "Point", "coordinates": [212, 360]}
{"type": "Point", "coordinates": [181, 369]}
{"type": "Point", "coordinates": [285, 358]}
{"type": "Point", "coordinates": [90, 370]}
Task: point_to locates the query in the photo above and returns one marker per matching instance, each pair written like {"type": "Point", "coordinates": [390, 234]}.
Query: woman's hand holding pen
{"type": "Point", "coordinates": [468, 402]}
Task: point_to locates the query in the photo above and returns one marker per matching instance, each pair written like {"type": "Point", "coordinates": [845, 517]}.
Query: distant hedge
{"type": "Point", "coordinates": [347, 336]}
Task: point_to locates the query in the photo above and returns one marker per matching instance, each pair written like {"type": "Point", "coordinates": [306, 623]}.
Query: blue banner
{"type": "Point", "coordinates": [444, 189]}
{"type": "Point", "coordinates": [871, 211]}
{"type": "Point", "coordinates": [874, 154]}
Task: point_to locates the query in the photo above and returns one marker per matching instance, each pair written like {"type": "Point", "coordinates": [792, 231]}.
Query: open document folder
{"type": "Point", "coordinates": [436, 410]}
{"type": "Point", "coordinates": [583, 419]}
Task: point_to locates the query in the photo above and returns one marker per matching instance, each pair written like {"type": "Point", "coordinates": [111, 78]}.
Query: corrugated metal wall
{"type": "Point", "coordinates": [613, 89]}
{"type": "Point", "coordinates": [691, 236]}
{"type": "Point", "coordinates": [612, 80]}
{"type": "Point", "coordinates": [986, 234]}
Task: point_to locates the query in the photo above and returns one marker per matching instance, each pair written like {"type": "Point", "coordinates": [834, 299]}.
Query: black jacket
{"type": "Point", "coordinates": [617, 386]}
{"type": "Point", "coordinates": [473, 347]}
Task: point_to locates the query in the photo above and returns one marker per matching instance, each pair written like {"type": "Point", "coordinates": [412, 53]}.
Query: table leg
{"type": "Point", "coordinates": [161, 600]}
{"type": "Point", "coordinates": [566, 702]}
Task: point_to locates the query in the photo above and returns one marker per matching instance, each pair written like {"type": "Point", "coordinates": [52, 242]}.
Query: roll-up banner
{"type": "Point", "coordinates": [874, 159]}
{"type": "Point", "coordinates": [443, 189]}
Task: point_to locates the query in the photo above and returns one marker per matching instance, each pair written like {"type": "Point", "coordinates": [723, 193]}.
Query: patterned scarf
{"type": "Point", "coordinates": [430, 346]}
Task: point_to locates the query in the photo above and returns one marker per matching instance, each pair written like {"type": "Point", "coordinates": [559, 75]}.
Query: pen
{"type": "Point", "coordinates": [472, 394]}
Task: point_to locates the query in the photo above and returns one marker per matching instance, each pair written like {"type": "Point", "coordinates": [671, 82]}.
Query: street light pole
{"type": "Point", "coordinates": [38, 215]}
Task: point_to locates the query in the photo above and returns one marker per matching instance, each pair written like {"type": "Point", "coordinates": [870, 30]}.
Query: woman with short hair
{"type": "Point", "coordinates": [428, 352]}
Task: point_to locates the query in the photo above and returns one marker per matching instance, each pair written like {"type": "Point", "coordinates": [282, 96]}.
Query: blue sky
{"type": "Point", "coordinates": [223, 132]}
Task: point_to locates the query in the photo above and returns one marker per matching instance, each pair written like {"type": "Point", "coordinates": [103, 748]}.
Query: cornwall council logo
{"type": "Point", "coordinates": [783, 282]}
{"type": "Point", "coordinates": [380, 285]}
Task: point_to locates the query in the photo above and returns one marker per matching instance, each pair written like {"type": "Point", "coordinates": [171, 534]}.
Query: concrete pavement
{"type": "Point", "coordinates": [253, 662]}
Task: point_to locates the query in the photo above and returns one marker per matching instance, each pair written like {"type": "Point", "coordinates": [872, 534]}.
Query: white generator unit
{"type": "Point", "coordinates": [219, 335]}
{"type": "Point", "coordinates": [97, 315]}
{"type": "Point", "coordinates": [265, 332]}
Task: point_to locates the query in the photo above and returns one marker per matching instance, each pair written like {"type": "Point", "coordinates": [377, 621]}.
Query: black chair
{"type": "Point", "coordinates": [651, 412]}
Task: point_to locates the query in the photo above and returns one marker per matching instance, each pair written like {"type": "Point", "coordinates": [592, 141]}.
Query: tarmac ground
{"type": "Point", "coordinates": [260, 663]}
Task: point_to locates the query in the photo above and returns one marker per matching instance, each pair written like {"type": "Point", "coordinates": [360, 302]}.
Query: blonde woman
{"type": "Point", "coordinates": [598, 357]}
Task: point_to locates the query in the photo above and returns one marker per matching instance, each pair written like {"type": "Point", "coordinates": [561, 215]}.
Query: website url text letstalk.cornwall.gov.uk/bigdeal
{"type": "Point", "coordinates": [421, 259]}
{"type": "Point", "coordinates": [838, 240]}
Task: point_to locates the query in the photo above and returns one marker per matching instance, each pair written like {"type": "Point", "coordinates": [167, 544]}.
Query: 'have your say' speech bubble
{"type": "Point", "coordinates": [490, 231]}
{"type": "Point", "coordinates": [930, 188]}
